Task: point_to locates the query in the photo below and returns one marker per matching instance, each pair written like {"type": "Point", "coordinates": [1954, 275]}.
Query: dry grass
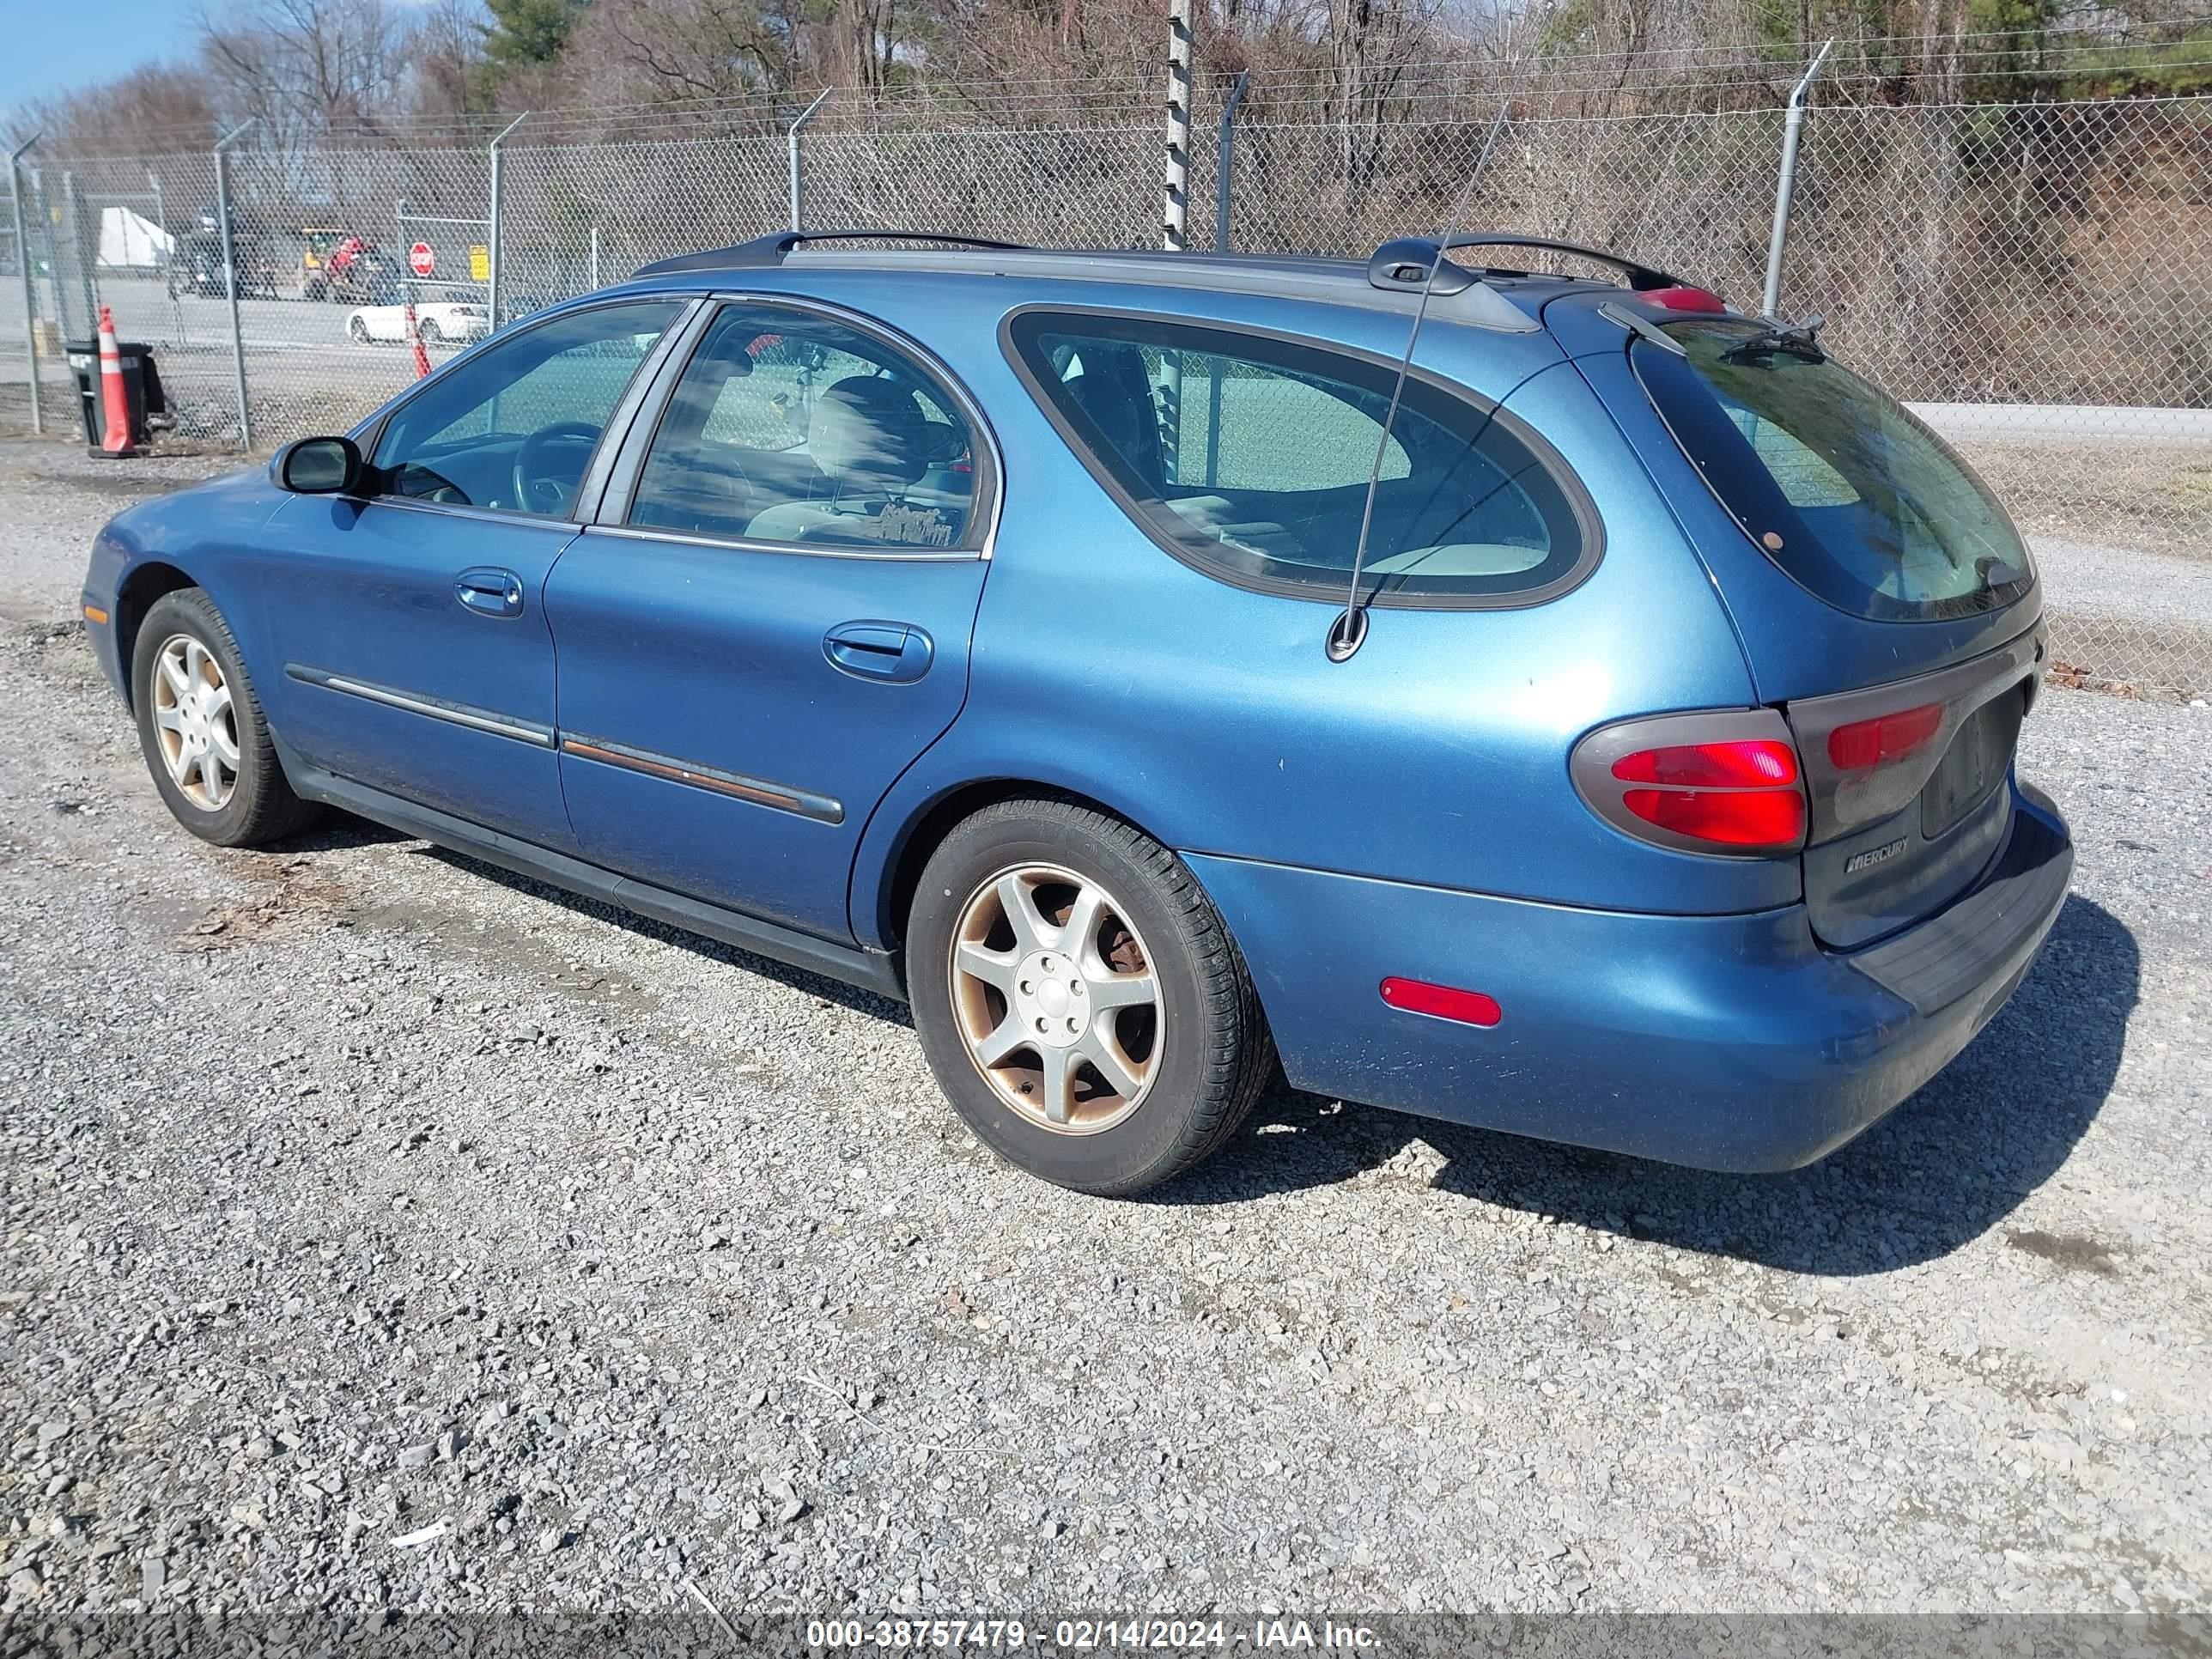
{"type": "Point", "coordinates": [2153, 497]}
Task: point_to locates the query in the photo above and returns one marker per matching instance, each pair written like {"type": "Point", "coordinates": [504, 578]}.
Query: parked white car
{"type": "Point", "coordinates": [438, 322]}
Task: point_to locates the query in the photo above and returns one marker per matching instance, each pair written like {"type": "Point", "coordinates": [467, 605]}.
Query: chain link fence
{"type": "Point", "coordinates": [2032, 278]}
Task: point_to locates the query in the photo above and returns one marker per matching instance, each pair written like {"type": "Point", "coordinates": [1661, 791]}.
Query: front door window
{"type": "Point", "coordinates": [513, 427]}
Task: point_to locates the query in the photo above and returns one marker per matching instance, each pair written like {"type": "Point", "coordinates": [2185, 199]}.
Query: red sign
{"type": "Point", "coordinates": [421, 260]}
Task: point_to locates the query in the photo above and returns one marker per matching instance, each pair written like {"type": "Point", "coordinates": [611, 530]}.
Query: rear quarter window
{"type": "Point", "coordinates": [1248, 454]}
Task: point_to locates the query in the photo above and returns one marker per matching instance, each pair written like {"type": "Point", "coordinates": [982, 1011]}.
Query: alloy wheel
{"type": "Point", "coordinates": [1056, 999]}
{"type": "Point", "coordinates": [195, 722]}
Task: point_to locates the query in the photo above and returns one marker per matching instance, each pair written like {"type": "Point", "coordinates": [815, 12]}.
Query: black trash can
{"type": "Point", "coordinates": [142, 389]}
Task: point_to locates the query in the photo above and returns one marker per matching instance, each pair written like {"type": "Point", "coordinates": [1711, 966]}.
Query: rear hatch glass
{"type": "Point", "coordinates": [1835, 481]}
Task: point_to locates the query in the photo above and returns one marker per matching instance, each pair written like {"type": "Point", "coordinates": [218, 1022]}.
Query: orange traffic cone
{"type": "Point", "coordinates": [414, 338]}
{"type": "Point", "coordinates": [114, 402]}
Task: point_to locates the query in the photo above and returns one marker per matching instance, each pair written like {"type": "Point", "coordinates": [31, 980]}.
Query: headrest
{"type": "Point", "coordinates": [869, 434]}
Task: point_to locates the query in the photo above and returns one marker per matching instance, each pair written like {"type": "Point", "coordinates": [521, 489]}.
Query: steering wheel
{"type": "Point", "coordinates": [543, 484]}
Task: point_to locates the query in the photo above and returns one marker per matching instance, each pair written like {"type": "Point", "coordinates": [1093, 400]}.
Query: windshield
{"type": "Point", "coordinates": [1835, 481]}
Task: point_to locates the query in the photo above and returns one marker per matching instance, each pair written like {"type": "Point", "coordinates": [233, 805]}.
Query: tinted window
{"type": "Point", "coordinates": [513, 425]}
{"type": "Point", "coordinates": [1250, 456]}
{"type": "Point", "coordinates": [790, 427]}
{"type": "Point", "coordinates": [1835, 481]}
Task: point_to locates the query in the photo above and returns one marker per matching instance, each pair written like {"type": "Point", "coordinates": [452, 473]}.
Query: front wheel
{"type": "Point", "coordinates": [1078, 999]}
{"type": "Point", "coordinates": [427, 331]}
{"type": "Point", "coordinates": [358, 329]}
{"type": "Point", "coordinates": [202, 729]}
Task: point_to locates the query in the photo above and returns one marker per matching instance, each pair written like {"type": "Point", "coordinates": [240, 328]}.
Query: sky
{"type": "Point", "coordinates": [49, 45]}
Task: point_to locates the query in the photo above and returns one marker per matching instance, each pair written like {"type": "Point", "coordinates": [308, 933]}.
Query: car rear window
{"type": "Point", "coordinates": [1835, 480]}
{"type": "Point", "coordinates": [1248, 455]}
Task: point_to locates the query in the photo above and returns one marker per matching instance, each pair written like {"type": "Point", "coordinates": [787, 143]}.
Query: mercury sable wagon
{"type": "Point", "coordinates": [1562, 705]}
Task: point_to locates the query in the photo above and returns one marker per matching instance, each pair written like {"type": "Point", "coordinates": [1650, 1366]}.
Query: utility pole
{"type": "Point", "coordinates": [23, 265]}
{"type": "Point", "coordinates": [230, 277]}
{"type": "Point", "coordinates": [1175, 211]}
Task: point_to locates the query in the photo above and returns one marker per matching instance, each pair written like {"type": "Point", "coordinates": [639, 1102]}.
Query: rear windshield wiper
{"type": "Point", "coordinates": [1797, 342]}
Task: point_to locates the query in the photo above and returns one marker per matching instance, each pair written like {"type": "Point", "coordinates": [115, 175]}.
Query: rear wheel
{"type": "Point", "coordinates": [202, 729]}
{"type": "Point", "coordinates": [358, 329]}
{"type": "Point", "coordinates": [1079, 999]}
{"type": "Point", "coordinates": [428, 330]}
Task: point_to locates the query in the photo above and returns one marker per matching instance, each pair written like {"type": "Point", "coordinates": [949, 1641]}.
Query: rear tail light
{"type": "Point", "coordinates": [1887, 738]}
{"type": "Point", "coordinates": [1744, 764]}
{"type": "Point", "coordinates": [1726, 782]}
{"type": "Point", "coordinates": [1735, 818]}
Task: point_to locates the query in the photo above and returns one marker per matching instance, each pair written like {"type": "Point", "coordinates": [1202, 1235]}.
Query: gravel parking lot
{"type": "Point", "coordinates": [385, 1233]}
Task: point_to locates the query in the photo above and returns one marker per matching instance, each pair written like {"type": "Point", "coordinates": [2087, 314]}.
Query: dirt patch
{"type": "Point", "coordinates": [2069, 1252]}
{"type": "Point", "coordinates": [294, 896]}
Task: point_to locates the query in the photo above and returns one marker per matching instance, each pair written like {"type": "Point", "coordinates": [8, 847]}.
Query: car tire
{"type": "Point", "coordinates": [1122, 1099]}
{"type": "Point", "coordinates": [358, 329]}
{"type": "Point", "coordinates": [427, 331]}
{"type": "Point", "coordinates": [194, 700]}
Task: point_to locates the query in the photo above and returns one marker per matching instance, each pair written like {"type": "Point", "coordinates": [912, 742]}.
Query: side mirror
{"type": "Point", "coordinates": [317, 466]}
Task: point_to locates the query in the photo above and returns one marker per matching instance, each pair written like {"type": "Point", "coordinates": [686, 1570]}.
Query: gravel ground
{"type": "Point", "coordinates": [384, 1233]}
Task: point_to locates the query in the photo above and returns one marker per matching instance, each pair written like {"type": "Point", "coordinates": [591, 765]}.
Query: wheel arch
{"type": "Point", "coordinates": [881, 913]}
{"type": "Point", "coordinates": [145, 583]}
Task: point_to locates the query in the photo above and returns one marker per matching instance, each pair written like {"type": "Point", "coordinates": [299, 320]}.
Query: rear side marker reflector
{"type": "Point", "coordinates": [1417, 996]}
{"type": "Point", "coordinates": [1887, 738]}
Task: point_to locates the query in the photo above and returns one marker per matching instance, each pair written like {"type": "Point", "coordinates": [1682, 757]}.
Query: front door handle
{"type": "Point", "coordinates": [489, 591]}
{"type": "Point", "coordinates": [895, 652]}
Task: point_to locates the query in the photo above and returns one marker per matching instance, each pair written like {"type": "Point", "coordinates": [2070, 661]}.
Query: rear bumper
{"type": "Point", "coordinates": [1727, 1042]}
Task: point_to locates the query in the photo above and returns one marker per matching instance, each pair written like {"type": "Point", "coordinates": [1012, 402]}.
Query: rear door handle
{"type": "Point", "coordinates": [895, 652]}
{"type": "Point", "coordinates": [490, 591]}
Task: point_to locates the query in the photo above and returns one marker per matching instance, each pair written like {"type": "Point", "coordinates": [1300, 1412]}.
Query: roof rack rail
{"type": "Point", "coordinates": [771, 249]}
{"type": "Point", "coordinates": [1406, 262]}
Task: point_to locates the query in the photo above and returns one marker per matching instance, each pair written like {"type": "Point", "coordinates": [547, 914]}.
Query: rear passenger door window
{"type": "Point", "coordinates": [1248, 454]}
{"type": "Point", "coordinates": [790, 427]}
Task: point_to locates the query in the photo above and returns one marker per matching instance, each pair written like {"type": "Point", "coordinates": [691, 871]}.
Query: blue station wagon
{"type": "Point", "coordinates": [1557, 704]}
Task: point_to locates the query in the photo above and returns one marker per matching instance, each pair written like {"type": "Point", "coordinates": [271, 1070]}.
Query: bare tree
{"type": "Point", "coordinates": [154, 110]}
{"type": "Point", "coordinates": [306, 70]}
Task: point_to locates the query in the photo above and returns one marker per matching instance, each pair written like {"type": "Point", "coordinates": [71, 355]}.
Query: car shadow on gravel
{"type": "Point", "coordinates": [1944, 1168]}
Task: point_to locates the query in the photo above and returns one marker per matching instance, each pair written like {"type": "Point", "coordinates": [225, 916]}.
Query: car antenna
{"type": "Point", "coordinates": [1348, 632]}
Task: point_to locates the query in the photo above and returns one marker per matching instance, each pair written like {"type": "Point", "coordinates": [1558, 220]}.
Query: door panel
{"type": "Point", "coordinates": [389, 677]}
{"type": "Point", "coordinates": [712, 744]}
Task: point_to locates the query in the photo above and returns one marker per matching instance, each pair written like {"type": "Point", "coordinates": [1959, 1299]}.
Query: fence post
{"type": "Point", "coordinates": [595, 259]}
{"type": "Point", "coordinates": [791, 149]}
{"type": "Point", "coordinates": [23, 265]}
{"type": "Point", "coordinates": [1175, 205]}
{"type": "Point", "coordinates": [1792, 123]}
{"type": "Point", "coordinates": [76, 245]}
{"type": "Point", "coordinates": [230, 276]}
{"type": "Point", "coordinates": [494, 232]}
{"type": "Point", "coordinates": [1225, 166]}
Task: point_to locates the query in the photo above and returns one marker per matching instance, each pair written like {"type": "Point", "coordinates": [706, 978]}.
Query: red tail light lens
{"type": "Point", "coordinates": [1723, 780]}
{"type": "Point", "coordinates": [1887, 737]}
{"type": "Point", "coordinates": [1729, 817]}
{"type": "Point", "coordinates": [1747, 764]}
